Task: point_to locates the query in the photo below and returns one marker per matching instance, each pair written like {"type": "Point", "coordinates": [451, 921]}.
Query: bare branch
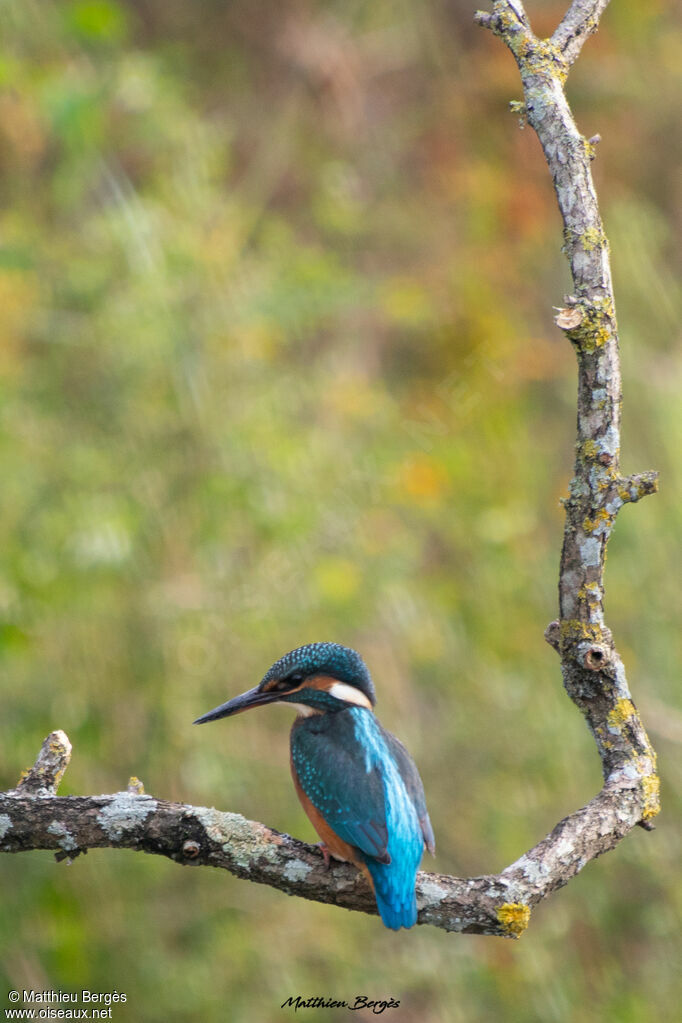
{"type": "Point", "coordinates": [44, 777]}
{"type": "Point", "coordinates": [593, 672]}
{"type": "Point", "coordinates": [580, 21]}
{"type": "Point", "coordinates": [33, 817]}
{"type": "Point", "coordinates": [194, 835]}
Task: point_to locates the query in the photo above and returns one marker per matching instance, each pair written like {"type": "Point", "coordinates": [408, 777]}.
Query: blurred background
{"type": "Point", "coordinates": [278, 365]}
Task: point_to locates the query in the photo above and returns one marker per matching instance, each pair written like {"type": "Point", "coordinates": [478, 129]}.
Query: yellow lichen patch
{"type": "Point", "coordinates": [598, 323]}
{"type": "Point", "coordinates": [606, 305]}
{"type": "Point", "coordinates": [632, 491]}
{"type": "Point", "coordinates": [546, 59]}
{"type": "Point", "coordinates": [589, 449]}
{"type": "Point", "coordinates": [651, 789]}
{"type": "Point", "coordinates": [590, 594]}
{"type": "Point", "coordinates": [608, 477]}
{"type": "Point", "coordinates": [594, 339]}
{"type": "Point", "coordinates": [573, 630]}
{"type": "Point", "coordinates": [514, 917]}
{"type": "Point", "coordinates": [601, 337]}
{"type": "Point", "coordinates": [602, 517]}
{"type": "Point", "coordinates": [592, 238]}
{"type": "Point", "coordinates": [600, 734]}
{"type": "Point", "coordinates": [519, 108]}
{"type": "Point", "coordinates": [507, 19]}
{"type": "Point", "coordinates": [619, 714]}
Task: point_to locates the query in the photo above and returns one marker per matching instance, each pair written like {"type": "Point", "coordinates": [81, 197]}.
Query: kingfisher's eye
{"type": "Point", "coordinates": [290, 682]}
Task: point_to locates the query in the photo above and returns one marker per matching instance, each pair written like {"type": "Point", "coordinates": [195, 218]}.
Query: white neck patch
{"type": "Point", "coordinates": [349, 694]}
{"type": "Point", "coordinates": [301, 708]}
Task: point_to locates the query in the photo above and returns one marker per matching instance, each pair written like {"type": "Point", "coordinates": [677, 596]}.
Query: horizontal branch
{"type": "Point", "coordinates": [36, 818]}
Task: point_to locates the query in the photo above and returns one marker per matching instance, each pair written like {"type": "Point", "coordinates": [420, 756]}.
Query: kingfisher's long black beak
{"type": "Point", "coordinates": [252, 698]}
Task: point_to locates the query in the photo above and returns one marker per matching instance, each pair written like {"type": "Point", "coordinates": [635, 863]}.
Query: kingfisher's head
{"type": "Point", "coordinates": [317, 678]}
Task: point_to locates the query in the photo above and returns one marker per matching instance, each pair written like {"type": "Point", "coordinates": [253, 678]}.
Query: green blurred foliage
{"type": "Point", "coordinates": [278, 365]}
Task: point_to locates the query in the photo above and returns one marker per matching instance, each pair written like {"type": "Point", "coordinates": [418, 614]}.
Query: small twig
{"type": "Point", "coordinates": [517, 8]}
{"type": "Point", "coordinates": [580, 21]}
{"type": "Point", "coordinates": [47, 772]}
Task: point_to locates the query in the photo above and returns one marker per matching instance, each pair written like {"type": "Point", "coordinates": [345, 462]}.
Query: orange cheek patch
{"type": "Point", "coordinates": [324, 682]}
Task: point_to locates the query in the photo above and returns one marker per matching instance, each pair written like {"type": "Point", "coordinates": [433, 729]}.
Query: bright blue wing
{"type": "Point", "coordinates": [331, 765]}
{"type": "Point", "coordinates": [413, 784]}
{"type": "Point", "coordinates": [394, 884]}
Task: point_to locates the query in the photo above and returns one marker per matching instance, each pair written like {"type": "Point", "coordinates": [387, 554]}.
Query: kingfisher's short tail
{"type": "Point", "coordinates": [395, 895]}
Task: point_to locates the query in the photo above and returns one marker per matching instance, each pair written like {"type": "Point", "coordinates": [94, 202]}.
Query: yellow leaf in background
{"type": "Point", "coordinates": [258, 341]}
{"type": "Point", "coordinates": [425, 642]}
{"type": "Point", "coordinates": [351, 395]}
{"type": "Point", "coordinates": [221, 245]}
{"type": "Point", "coordinates": [422, 479]}
{"type": "Point", "coordinates": [503, 523]}
{"type": "Point", "coordinates": [21, 129]}
{"type": "Point", "coordinates": [405, 301]}
{"type": "Point", "coordinates": [18, 298]}
{"type": "Point", "coordinates": [337, 579]}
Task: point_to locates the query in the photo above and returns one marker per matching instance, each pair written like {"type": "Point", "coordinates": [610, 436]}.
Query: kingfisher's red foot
{"type": "Point", "coordinates": [324, 849]}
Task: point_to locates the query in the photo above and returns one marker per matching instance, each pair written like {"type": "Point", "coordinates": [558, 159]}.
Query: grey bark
{"type": "Point", "coordinates": [33, 817]}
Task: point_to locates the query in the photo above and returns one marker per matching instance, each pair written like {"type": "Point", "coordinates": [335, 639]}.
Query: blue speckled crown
{"type": "Point", "coordinates": [325, 659]}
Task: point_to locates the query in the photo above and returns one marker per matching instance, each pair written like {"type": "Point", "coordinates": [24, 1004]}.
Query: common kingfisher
{"type": "Point", "coordinates": [357, 783]}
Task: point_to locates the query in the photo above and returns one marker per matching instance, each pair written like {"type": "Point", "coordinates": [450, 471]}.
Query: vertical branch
{"type": "Point", "coordinates": [593, 672]}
